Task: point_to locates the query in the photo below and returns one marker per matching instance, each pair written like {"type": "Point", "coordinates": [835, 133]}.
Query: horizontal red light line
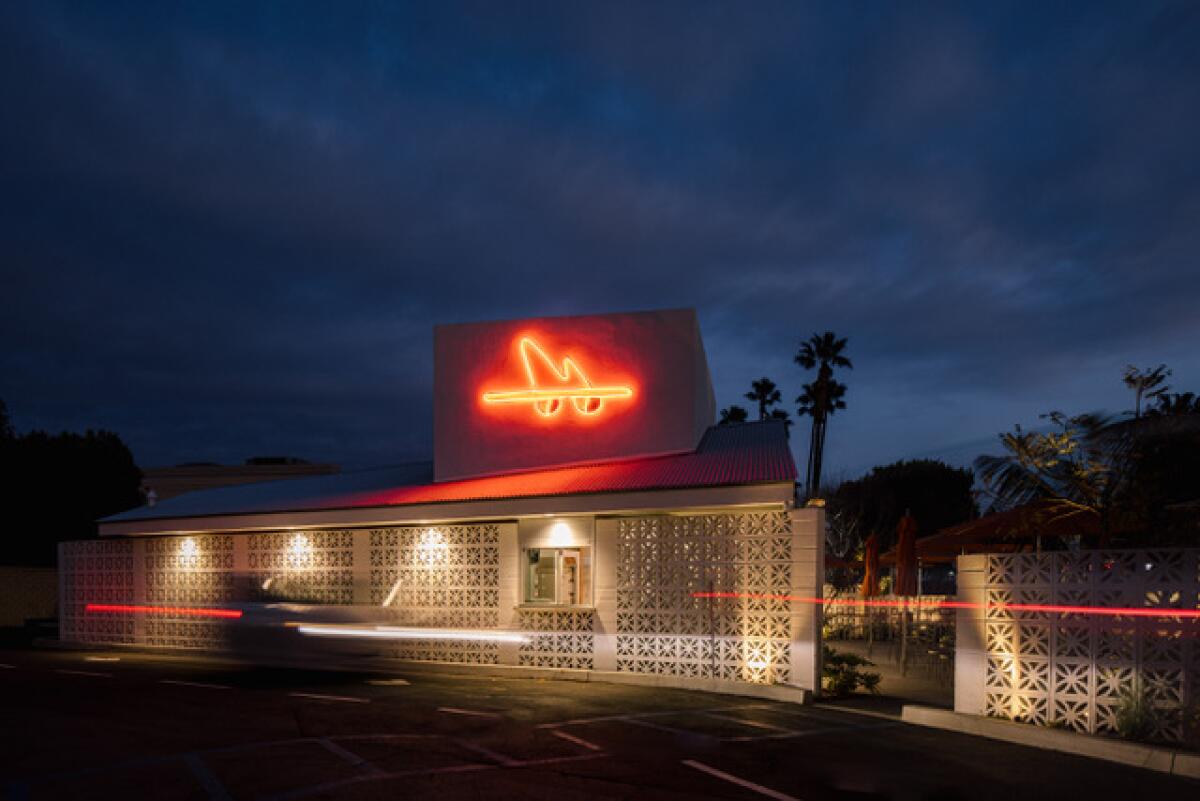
{"type": "Point", "coordinates": [178, 611]}
{"type": "Point", "coordinates": [1110, 611]}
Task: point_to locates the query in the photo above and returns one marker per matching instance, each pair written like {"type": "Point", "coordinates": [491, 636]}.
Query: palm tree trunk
{"type": "Point", "coordinates": [818, 453]}
{"type": "Point", "coordinates": [812, 446]}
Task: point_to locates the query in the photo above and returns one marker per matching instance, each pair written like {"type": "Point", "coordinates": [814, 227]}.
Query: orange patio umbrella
{"type": "Point", "coordinates": [906, 556]}
{"type": "Point", "coordinates": [870, 585]}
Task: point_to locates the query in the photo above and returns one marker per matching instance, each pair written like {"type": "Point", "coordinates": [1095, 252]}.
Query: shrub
{"type": "Point", "coordinates": [841, 674]}
{"type": "Point", "coordinates": [1135, 716]}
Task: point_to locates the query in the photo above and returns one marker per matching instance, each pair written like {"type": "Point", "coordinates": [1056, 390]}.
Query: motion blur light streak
{"type": "Point", "coordinates": [180, 611]}
{"type": "Point", "coordinates": [1111, 611]}
{"type": "Point", "coordinates": [394, 633]}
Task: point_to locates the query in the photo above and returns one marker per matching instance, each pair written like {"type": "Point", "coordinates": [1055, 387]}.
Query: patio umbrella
{"type": "Point", "coordinates": [906, 577]}
{"type": "Point", "coordinates": [906, 556]}
{"type": "Point", "coordinates": [870, 585]}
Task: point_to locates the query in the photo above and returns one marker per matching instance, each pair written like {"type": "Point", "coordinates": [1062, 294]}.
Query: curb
{"type": "Point", "coordinates": [1148, 757]}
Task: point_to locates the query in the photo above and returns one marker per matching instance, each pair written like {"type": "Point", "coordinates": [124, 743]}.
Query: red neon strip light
{"type": "Point", "coordinates": [1110, 611]}
{"type": "Point", "coordinates": [178, 611]}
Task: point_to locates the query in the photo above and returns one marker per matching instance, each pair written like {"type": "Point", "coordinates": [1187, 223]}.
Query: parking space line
{"type": "Point", "coordinates": [573, 739]}
{"type": "Point", "coordinates": [749, 785]}
{"type": "Point", "coordinates": [643, 715]}
{"type": "Point", "coordinates": [200, 684]}
{"type": "Point", "coordinates": [484, 751]}
{"type": "Point", "coordinates": [453, 710]}
{"type": "Point", "coordinates": [208, 780]}
{"type": "Point", "coordinates": [672, 730]}
{"type": "Point", "coordinates": [785, 735]}
{"type": "Point", "coordinates": [754, 724]}
{"type": "Point", "coordinates": [349, 699]}
{"type": "Point", "coordinates": [102, 659]}
{"type": "Point", "coordinates": [525, 763]}
{"type": "Point", "coordinates": [83, 673]}
{"type": "Point", "coordinates": [351, 757]}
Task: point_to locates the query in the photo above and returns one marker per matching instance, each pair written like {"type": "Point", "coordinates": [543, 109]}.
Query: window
{"type": "Point", "coordinates": [558, 575]}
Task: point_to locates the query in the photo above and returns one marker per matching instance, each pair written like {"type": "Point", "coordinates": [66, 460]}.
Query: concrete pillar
{"type": "Point", "coordinates": [808, 581]}
{"type": "Point", "coordinates": [510, 590]}
{"type": "Point", "coordinates": [970, 643]}
{"type": "Point", "coordinates": [605, 598]}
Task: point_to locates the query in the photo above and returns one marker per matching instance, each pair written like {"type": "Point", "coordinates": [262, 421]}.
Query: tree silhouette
{"type": "Point", "coordinates": [822, 397]}
{"type": "Point", "coordinates": [733, 414]}
{"type": "Point", "coordinates": [1146, 384]}
{"type": "Point", "coordinates": [765, 394]}
{"type": "Point", "coordinates": [1176, 404]}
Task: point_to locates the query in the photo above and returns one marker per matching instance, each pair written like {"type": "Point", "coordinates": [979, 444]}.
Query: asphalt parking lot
{"type": "Point", "coordinates": [109, 725]}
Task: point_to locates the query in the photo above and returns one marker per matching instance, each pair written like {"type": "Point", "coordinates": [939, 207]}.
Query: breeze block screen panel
{"type": "Point", "coordinates": [664, 627]}
{"type": "Point", "coordinates": [1077, 670]}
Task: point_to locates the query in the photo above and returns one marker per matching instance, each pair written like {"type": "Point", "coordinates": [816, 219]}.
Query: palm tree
{"type": "Point", "coordinates": [733, 414]}
{"type": "Point", "coordinates": [822, 397]}
{"type": "Point", "coordinates": [1146, 384]}
{"type": "Point", "coordinates": [765, 394]}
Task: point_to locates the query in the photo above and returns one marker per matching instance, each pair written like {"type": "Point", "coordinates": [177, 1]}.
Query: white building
{"type": "Point", "coordinates": [581, 513]}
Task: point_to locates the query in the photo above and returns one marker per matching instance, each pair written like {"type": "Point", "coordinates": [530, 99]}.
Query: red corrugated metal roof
{"type": "Point", "coordinates": [751, 453]}
{"type": "Point", "coordinates": [746, 453]}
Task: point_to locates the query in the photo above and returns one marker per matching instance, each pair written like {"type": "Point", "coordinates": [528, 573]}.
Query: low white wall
{"type": "Point", "coordinates": [1070, 669]}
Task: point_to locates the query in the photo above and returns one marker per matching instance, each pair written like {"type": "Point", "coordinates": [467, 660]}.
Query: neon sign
{"type": "Point", "coordinates": [567, 383]}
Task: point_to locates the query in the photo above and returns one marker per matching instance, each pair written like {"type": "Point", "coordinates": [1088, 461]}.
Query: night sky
{"type": "Point", "coordinates": [228, 232]}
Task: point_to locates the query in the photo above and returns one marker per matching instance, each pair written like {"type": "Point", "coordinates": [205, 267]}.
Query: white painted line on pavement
{"type": "Point", "coordinates": [501, 759]}
{"type": "Point", "coordinates": [208, 780]}
{"type": "Point", "coordinates": [8, 667]}
{"type": "Point", "coordinates": [453, 710]}
{"type": "Point", "coordinates": [84, 673]}
{"type": "Point", "coordinates": [320, 697]}
{"type": "Point", "coordinates": [348, 755]}
{"type": "Point", "coordinates": [102, 659]}
{"type": "Point", "coordinates": [754, 724]}
{"type": "Point", "coordinates": [388, 682]}
{"type": "Point", "coordinates": [201, 684]}
{"type": "Point", "coordinates": [573, 739]}
{"type": "Point", "coordinates": [758, 788]}
{"type": "Point", "coordinates": [643, 715]}
{"type": "Point", "coordinates": [812, 732]}
{"type": "Point", "coordinates": [669, 729]}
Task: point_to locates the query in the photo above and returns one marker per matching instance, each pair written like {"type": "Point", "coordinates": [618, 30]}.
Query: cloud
{"type": "Point", "coordinates": [228, 230]}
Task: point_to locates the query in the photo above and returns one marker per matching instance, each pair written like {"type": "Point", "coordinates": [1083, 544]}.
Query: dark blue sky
{"type": "Point", "coordinates": [227, 231]}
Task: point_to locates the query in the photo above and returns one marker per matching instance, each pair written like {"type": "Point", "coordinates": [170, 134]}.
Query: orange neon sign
{"type": "Point", "coordinates": [568, 383]}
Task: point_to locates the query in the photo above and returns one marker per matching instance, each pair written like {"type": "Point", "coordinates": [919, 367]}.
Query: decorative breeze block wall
{"type": "Point", "coordinates": [95, 571]}
{"type": "Point", "coordinates": [439, 577]}
{"type": "Point", "coordinates": [185, 571]}
{"type": "Point", "coordinates": [663, 628]}
{"type": "Point", "coordinates": [316, 566]}
{"type": "Point", "coordinates": [558, 638]}
{"type": "Point", "coordinates": [1072, 669]}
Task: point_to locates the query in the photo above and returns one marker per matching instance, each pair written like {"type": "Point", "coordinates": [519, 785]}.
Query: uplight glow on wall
{"type": "Point", "coordinates": [550, 386]}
